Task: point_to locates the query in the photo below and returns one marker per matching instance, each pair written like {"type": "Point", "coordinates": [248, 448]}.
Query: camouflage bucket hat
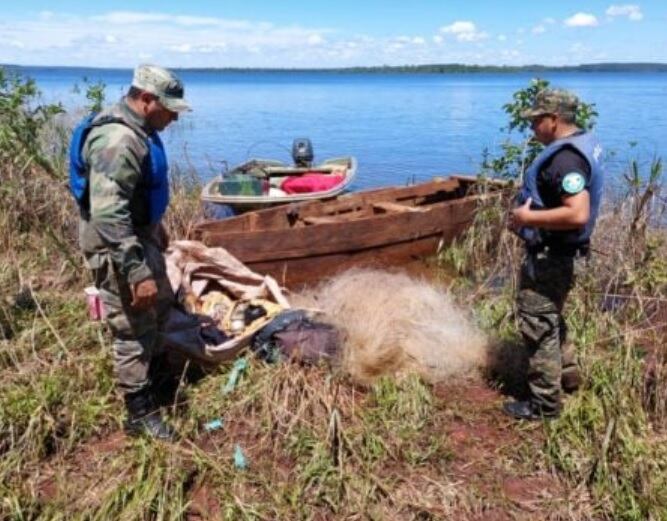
{"type": "Point", "coordinates": [164, 84]}
{"type": "Point", "coordinates": [552, 101]}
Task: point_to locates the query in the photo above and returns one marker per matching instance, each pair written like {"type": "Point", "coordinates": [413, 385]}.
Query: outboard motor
{"type": "Point", "coordinates": [302, 152]}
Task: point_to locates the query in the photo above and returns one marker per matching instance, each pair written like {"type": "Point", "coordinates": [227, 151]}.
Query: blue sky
{"type": "Point", "coordinates": [252, 33]}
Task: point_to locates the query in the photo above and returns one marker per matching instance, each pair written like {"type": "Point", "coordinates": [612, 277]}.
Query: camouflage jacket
{"type": "Point", "coordinates": [118, 222]}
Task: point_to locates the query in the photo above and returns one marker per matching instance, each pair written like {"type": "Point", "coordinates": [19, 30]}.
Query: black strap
{"type": "Point", "coordinates": [560, 250]}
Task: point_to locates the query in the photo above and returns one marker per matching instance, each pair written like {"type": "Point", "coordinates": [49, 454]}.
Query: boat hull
{"type": "Point", "coordinates": [248, 203]}
{"type": "Point", "coordinates": [333, 240]}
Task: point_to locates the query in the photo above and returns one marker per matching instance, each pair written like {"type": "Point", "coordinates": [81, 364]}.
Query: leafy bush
{"type": "Point", "coordinates": [22, 121]}
{"type": "Point", "coordinates": [516, 157]}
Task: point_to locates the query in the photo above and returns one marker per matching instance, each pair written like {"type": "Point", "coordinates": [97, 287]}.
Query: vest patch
{"type": "Point", "coordinates": [573, 183]}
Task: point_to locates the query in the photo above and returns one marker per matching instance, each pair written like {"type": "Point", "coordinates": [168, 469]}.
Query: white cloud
{"type": "Point", "coordinates": [582, 20]}
{"type": "Point", "coordinates": [315, 39]}
{"type": "Point", "coordinates": [550, 21]}
{"type": "Point", "coordinates": [632, 11]}
{"type": "Point", "coordinates": [464, 31]}
{"type": "Point", "coordinates": [459, 27]}
{"type": "Point", "coordinates": [125, 38]}
{"type": "Point", "coordinates": [182, 48]}
{"type": "Point", "coordinates": [407, 40]}
{"type": "Point", "coordinates": [137, 17]}
{"type": "Point", "coordinates": [539, 29]}
{"type": "Point", "coordinates": [61, 38]}
{"type": "Point", "coordinates": [188, 48]}
{"type": "Point", "coordinates": [579, 51]}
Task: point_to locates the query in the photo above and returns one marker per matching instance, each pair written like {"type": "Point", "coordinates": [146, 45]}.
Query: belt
{"type": "Point", "coordinates": [559, 250]}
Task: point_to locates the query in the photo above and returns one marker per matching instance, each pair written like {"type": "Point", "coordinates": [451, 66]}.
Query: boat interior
{"type": "Point", "coordinates": [361, 205]}
{"type": "Point", "coordinates": [276, 169]}
{"type": "Point", "coordinates": [276, 173]}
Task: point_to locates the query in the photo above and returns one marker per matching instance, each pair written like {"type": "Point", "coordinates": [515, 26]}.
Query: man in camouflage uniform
{"type": "Point", "coordinates": [123, 242]}
{"type": "Point", "coordinates": [555, 216]}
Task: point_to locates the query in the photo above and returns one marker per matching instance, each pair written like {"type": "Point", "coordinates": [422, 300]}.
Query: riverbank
{"type": "Point", "coordinates": [434, 68]}
{"type": "Point", "coordinates": [317, 446]}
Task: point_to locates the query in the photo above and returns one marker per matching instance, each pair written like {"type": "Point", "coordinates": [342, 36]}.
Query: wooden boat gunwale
{"type": "Point", "coordinates": [344, 205]}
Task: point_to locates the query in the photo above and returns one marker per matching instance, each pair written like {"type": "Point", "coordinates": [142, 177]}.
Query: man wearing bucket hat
{"type": "Point", "coordinates": [555, 214]}
{"type": "Point", "coordinates": [118, 176]}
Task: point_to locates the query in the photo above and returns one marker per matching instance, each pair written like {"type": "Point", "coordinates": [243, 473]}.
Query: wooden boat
{"type": "Point", "coordinates": [265, 178]}
{"type": "Point", "coordinates": [303, 243]}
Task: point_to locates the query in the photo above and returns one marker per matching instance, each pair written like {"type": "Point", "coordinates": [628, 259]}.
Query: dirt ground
{"type": "Point", "coordinates": [492, 456]}
{"type": "Point", "coordinates": [490, 462]}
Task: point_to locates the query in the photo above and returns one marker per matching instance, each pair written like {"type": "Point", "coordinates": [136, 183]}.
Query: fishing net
{"type": "Point", "coordinates": [392, 323]}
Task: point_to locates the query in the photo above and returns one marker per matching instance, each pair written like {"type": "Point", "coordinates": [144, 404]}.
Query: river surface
{"type": "Point", "coordinates": [400, 127]}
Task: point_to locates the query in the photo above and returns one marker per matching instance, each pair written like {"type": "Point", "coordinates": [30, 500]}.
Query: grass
{"type": "Point", "coordinates": [317, 446]}
{"type": "Point", "coordinates": [610, 439]}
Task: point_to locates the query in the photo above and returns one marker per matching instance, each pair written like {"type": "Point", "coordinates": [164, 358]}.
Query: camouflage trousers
{"type": "Point", "coordinates": [137, 334]}
{"type": "Point", "coordinates": [545, 281]}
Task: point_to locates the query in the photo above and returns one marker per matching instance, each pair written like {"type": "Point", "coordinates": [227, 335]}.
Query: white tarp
{"type": "Point", "coordinates": [192, 269]}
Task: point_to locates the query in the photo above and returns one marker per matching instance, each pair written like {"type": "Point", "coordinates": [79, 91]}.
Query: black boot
{"type": "Point", "coordinates": [144, 418]}
{"type": "Point", "coordinates": [571, 379]}
{"type": "Point", "coordinates": [527, 410]}
{"type": "Point", "coordinates": [163, 381]}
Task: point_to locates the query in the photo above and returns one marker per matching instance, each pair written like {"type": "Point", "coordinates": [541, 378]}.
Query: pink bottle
{"type": "Point", "coordinates": [95, 305]}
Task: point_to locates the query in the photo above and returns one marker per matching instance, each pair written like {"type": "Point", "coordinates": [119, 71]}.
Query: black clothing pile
{"type": "Point", "coordinates": [292, 335]}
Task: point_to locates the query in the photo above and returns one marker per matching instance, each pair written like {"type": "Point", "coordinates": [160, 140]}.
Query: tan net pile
{"type": "Point", "coordinates": [392, 324]}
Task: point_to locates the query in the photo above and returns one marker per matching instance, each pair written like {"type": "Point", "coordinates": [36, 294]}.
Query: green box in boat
{"type": "Point", "coordinates": [242, 185]}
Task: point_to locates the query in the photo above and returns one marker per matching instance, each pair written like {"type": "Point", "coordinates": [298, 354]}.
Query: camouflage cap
{"type": "Point", "coordinates": [552, 101]}
{"type": "Point", "coordinates": [164, 84]}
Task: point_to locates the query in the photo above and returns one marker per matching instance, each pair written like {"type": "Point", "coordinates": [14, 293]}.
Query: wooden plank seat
{"type": "Point", "coordinates": [326, 219]}
{"type": "Point", "coordinates": [297, 170]}
{"type": "Point", "coordinates": [337, 217]}
{"type": "Point", "coordinates": [389, 206]}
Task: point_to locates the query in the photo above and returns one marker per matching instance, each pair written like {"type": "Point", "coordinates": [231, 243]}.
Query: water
{"type": "Point", "coordinates": [400, 127]}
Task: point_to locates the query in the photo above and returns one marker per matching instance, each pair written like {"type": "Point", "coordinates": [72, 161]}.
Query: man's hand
{"type": "Point", "coordinates": [573, 214]}
{"type": "Point", "coordinates": [519, 216]}
{"type": "Point", "coordinates": [144, 294]}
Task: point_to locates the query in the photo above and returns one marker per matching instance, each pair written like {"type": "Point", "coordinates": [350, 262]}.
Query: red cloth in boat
{"type": "Point", "coordinates": [311, 182]}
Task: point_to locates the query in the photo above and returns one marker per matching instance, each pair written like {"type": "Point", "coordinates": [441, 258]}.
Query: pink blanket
{"type": "Point", "coordinates": [310, 183]}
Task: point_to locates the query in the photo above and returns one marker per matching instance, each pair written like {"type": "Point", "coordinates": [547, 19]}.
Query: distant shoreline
{"type": "Point", "coordinates": [451, 68]}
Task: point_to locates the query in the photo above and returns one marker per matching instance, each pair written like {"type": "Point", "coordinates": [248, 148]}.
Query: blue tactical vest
{"type": "Point", "coordinates": [155, 169]}
{"type": "Point", "coordinates": [589, 147]}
